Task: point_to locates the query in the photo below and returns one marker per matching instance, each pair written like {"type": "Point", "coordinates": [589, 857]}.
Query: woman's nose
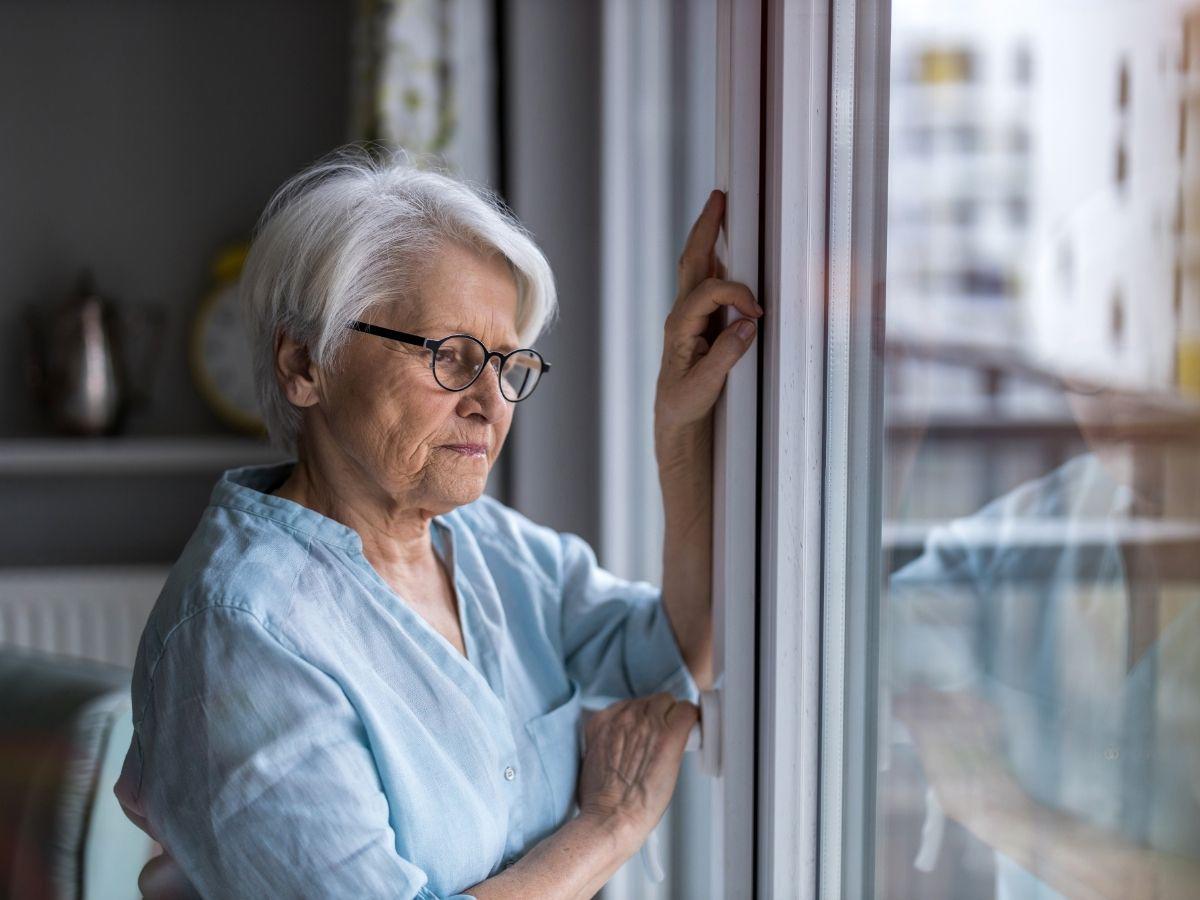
{"type": "Point", "coordinates": [485, 391]}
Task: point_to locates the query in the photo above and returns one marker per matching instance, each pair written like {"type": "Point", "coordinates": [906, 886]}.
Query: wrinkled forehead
{"type": "Point", "coordinates": [460, 290]}
{"type": "Point", "coordinates": [493, 323]}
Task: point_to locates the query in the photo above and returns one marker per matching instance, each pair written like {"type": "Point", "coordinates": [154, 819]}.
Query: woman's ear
{"type": "Point", "coordinates": [295, 371]}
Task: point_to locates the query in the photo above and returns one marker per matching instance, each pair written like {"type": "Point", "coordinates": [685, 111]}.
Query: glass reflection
{"type": "Point", "coordinates": [1040, 727]}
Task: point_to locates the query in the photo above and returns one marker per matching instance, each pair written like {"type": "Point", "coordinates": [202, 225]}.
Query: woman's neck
{"type": "Point", "coordinates": [395, 534]}
{"type": "Point", "coordinates": [396, 539]}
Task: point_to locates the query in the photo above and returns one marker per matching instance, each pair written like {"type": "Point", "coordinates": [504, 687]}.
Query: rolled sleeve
{"type": "Point", "coordinates": [617, 639]}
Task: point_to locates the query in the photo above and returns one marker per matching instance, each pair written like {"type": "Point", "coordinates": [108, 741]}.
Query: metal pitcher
{"type": "Point", "coordinates": [77, 368]}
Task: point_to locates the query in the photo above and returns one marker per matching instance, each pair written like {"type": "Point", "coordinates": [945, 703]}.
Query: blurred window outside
{"type": "Point", "coordinates": [1038, 715]}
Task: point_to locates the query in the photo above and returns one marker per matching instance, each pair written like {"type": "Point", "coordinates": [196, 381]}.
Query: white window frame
{"type": "Point", "coordinates": [796, 135]}
{"type": "Point", "coordinates": [801, 153]}
{"type": "Point", "coordinates": [735, 456]}
{"type": "Point", "coordinates": [825, 164]}
{"type": "Point", "coordinates": [857, 231]}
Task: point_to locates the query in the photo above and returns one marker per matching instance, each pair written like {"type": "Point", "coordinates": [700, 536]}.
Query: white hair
{"type": "Point", "coordinates": [356, 230]}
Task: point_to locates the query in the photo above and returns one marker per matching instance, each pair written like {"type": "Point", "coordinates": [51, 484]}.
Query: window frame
{"type": "Point", "coordinates": [792, 451]}
{"type": "Point", "coordinates": [824, 251]}
{"type": "Point", "coordinates": [858, 164]}
{"type": "Point", "coordinates": [735, 455]}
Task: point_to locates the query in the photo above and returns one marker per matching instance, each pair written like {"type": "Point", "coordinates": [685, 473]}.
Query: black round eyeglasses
{"type": "Point", "coordinates": [457, 360]}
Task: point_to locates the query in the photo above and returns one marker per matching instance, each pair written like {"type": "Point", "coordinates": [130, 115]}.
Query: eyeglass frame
{"type": "Point", "coordinates": [432, 344]}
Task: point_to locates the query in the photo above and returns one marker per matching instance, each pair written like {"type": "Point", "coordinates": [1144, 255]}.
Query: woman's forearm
{"type": "Point", "coordinates": [573, 862]}
{"type": "Point", "coordinates": [685, 474]}
{"type": "Point", "coordinates": [698, 354]}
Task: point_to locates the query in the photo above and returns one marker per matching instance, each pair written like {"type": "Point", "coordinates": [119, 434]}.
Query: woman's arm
{"type": "Point", "coordinates": [634, 750]}
{"type": "Point", "coordinates": [252, 768]}
{"type": "Point", "coordinates": [685, 473]}
{"type": "Point", "coordinates": [690, 380]}
{"type": "Point", "coordinates": [574, 861]}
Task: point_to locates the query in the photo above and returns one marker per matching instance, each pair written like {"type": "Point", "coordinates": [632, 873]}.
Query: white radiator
{"type": "Point", "coordinates": [91, 612]}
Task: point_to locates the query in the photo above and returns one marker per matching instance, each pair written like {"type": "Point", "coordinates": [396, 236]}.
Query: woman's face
{"type": "Point", "coordinates": [389, 416]}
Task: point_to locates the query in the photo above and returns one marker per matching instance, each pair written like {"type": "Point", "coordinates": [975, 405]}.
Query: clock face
{"type": "Point", "coordinates": [222, 359]}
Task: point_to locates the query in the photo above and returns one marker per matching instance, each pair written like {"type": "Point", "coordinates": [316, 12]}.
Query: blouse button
{"type": "Point", "coordinates": [510, 773]}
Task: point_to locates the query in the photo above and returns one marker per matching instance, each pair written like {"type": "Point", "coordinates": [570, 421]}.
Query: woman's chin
{"type": "Point", "coordinates": [459, 489]}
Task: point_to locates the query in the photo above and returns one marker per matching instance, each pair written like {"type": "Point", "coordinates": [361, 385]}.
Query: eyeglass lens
{"type": "Point", "coordinates": [459, 359]}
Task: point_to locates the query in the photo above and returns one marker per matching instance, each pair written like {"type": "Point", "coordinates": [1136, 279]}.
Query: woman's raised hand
{"type": "Point", "coordinates": [693, 372]}
{"type": "Point", "coordinates": [690, 380]}
{"type": "Point", "coordinates": [634, 751]}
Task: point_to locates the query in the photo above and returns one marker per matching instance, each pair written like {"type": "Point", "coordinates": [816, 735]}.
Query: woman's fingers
{"type": "Point", "coordinates": [681, 717]}
{"type": "Point", "coordinates": [692, 373]}
{"type": "Point", "coordinates": [710, 371]}
{"type": "Point", "coordinates": [657, 707]}
{"type": "Point", "coordinates": [690, 316]}
{"type": "Point", "coordinates": [696, 262]}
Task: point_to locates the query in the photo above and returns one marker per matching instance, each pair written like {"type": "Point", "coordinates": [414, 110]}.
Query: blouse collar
{"type": "Point", "coordinates": [248, 489]}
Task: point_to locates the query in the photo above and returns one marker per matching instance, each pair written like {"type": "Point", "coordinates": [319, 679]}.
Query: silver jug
{"type": "Point", "coordinates": [76, 360]}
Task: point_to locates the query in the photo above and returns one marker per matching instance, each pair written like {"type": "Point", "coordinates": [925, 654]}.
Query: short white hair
{"type": "Point", "coordinates": [358, 229]}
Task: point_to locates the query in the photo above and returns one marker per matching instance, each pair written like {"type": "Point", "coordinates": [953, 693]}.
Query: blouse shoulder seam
{"type": "Point", "coordinates": [310, 536]}
{"type": "Point", "coordinates": [292, 587]}
{"type": "Point", "coordinates": [208, 607]}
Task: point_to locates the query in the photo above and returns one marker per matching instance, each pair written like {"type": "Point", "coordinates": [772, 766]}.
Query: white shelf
{"type": "Point", "coordinates": [129, 455]}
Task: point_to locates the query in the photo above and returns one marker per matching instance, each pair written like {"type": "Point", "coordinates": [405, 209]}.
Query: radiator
{"type": "Point", "coordinates": [92, 612]}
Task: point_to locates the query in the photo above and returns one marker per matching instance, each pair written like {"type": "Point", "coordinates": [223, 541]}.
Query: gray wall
{"type": "Point", "coordinates": [138, 136]}
{"type": "Point", "coordinates": [552, 179]}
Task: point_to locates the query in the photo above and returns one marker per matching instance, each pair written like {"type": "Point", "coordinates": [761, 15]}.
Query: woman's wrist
{"type": "Point", "coordinates": [620, 835]}
{"type": "Point", "coordinates": [685, 476]}
{"type": "Point", "coordinates": [684, 449]}
{"type": "Point", "coordinates": [573, 862]}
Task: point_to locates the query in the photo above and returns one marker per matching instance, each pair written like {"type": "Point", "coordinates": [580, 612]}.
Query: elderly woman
{"type": "Point", "coordinates": [363, 675]}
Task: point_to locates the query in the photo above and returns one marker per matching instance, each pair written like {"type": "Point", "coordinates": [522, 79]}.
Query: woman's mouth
{"type": "Point", "coordinates": [468, 449]}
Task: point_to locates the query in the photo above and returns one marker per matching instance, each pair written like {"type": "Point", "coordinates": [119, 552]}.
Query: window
{"type": "Point", "coordinates": [971, 670]}
{"type": "Point", "coordinates": [1010, 600]}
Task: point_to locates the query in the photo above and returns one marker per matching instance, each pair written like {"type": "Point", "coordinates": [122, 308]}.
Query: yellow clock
{"type": "Point", "coordinates": [220, 349]}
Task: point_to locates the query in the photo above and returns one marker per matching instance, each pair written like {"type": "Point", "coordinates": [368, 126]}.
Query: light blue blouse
{"type": "Point", "coordinates": [301, 731]}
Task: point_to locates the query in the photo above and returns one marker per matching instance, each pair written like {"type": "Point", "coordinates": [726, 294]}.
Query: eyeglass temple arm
{"type": "Point", "coordinates": [403, 337]}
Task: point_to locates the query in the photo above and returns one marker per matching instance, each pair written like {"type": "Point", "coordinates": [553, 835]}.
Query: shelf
{"type": "Point", "coordinates": [130, 455]}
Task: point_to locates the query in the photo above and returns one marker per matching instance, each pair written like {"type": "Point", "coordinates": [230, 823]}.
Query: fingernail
{"type": "Point", "coordinates": [758, 309]}
{"type": "Point", "coordinates": [744, 329]}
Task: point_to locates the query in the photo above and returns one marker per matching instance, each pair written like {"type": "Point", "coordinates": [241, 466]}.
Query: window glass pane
{"type": "Point", "coordinates": [1039, 630]}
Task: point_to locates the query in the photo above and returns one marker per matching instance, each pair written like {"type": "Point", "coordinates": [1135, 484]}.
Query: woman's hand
{"type": "Point", "coordinates": [689, 382]}
{"type": "Point", "coordinates": [693, 372]}
{"type": "Point", "coordinates": [634, 751]}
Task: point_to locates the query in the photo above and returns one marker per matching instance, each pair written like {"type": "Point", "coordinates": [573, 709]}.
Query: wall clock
{"type": "Point", "coordinates": [220, 354]}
